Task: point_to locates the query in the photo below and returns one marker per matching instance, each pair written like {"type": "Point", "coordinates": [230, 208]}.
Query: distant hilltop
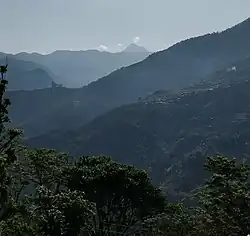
{"type": "Point", "coordinates": [135, 48]}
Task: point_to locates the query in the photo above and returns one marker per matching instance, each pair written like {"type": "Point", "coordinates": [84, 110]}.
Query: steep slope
{"type": "Point", "coordinates": [25, 75]}
{"type": "Point", "coordinates": [172, 135]}
{"type": "Point", "coordinates": [179, 66]}
{"type": "Point", "coordinates": [30, 108]}
{"type": "Point", "coordinates": [78, 68]}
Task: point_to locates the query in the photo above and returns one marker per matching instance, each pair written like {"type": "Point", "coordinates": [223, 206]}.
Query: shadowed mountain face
{"type": "Point", "coordinates": [185, 63]}
{"type": "Point", "coordinates": [78, 68]}
{"type": "Point", "coordinates": [170, 132]}
{"type": "Point", "coordinates": [26, 75]}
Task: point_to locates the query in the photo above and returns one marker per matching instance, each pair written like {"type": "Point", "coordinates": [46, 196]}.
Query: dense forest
{"type": "Point", "coordinates": [44, 192]}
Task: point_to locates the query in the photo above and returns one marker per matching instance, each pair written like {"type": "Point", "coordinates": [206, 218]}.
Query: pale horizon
{"type": "Point", "coordinates": [47, 26]}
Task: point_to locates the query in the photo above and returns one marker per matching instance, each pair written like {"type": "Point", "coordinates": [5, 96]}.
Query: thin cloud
{"type": "Point", "coordinates": [136, 39]}
{"type": "Point", "coordinates": [103, 47]}
{"type": "Point", "coordinates": [120, 45]}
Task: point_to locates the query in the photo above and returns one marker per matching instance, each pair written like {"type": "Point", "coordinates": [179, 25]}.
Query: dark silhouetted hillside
{"type": "Point", "coordinates": [172, 133]}
{"type": "Point", "coordinates": [25, 75]}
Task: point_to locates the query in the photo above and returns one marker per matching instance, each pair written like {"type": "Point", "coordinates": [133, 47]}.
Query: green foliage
{"type": "Point", "coordinates": [224, 204]}
{"type": "Point", "coordinates": [7, 151]}
{"type": "Point", "coordinates": [64, 213]}
{"type": "Point", "coordinates": [55, 195]}
{"type": "Point", "coordinates": [48, 205]}
{"type": "Point", "coordinates": [226, 197]}
{"type": "Point", "coordinates": [123, 195]}
{"type": "Point", "coordinates": [177, 220]}
{"type": "Point", "coordinates": [42, 167]}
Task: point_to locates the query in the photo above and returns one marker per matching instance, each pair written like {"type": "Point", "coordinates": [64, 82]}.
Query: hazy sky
{"type": "Point", "coordinates": [48, 25]}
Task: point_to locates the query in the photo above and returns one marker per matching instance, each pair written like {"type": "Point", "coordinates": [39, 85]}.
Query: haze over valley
{"type": "Point", "coordinates": [136, 122]}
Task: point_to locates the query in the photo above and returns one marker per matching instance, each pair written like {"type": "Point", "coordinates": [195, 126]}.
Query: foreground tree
{"type": "Point", "coordinates": [92, 196]}
{"type": "Point", "coordinates": [226, 197]}
{"type": "Point", "coordinates": [48, 206]}
{"type": "Point", "coordinates": [124, 196]}
{"type": "Point", "coordinates": [8, 149]}
{"type": "Point", "coordinates": [177, 220]}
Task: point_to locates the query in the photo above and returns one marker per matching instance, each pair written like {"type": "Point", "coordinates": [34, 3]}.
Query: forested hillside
{"type": "Point", "coordinates": [185, 63]}
{"type": "Point", "coordinates": [171, 134]}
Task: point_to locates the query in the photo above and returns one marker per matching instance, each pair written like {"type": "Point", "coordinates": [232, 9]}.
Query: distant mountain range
{"type": "Point", "coordinates": [180, 66]}
{"type": "Point", "coordinates": [26, 75]}
{"type": "Point", "coordinates": [78, 68]}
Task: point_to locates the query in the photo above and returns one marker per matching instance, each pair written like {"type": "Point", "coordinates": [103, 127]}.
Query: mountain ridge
{"type": "Point", "coordinates": [75, 69]}
{"type": "Point", "coordinates": [26, 75]}
{"type": "Point", "coordinates": [180, 66]}
{"type": "Point", "coordinates": [171, 134]}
